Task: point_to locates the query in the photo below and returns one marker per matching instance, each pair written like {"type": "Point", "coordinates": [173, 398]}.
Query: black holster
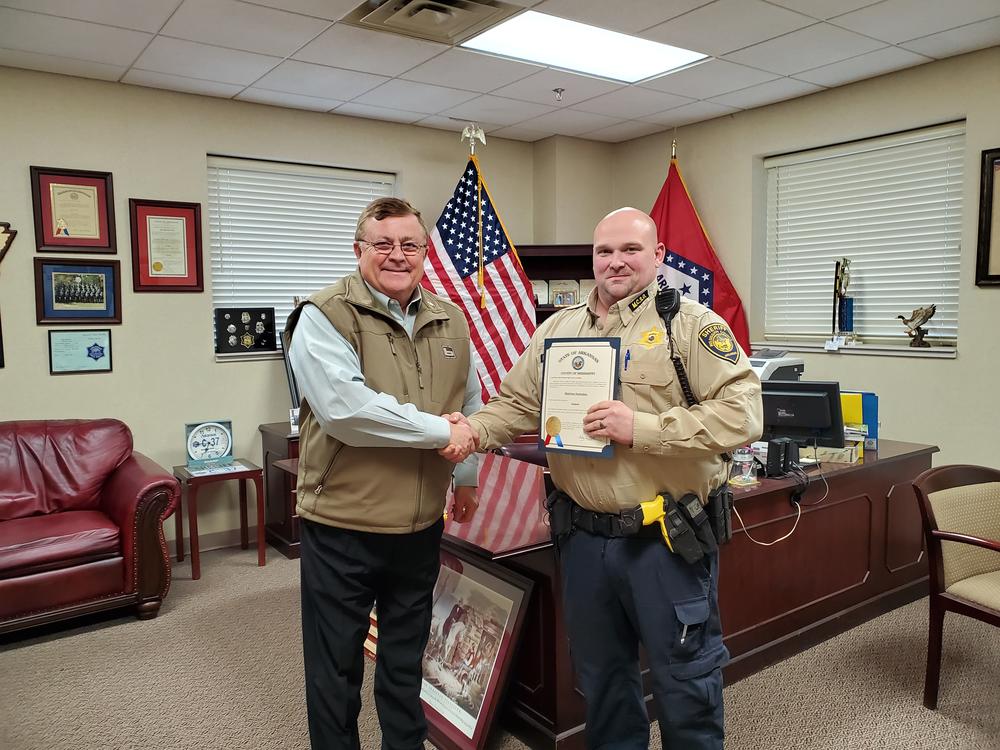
{"type": "Point", "coordinates": [560, 508]}
{"type": "Point", "coordinates": [720, 513]}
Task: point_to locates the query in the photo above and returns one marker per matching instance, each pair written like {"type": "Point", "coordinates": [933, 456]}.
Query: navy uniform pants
{"type": "Point", "coordinates": [617, 592]}
{"type": "Point", "coordinates": [343, 573]}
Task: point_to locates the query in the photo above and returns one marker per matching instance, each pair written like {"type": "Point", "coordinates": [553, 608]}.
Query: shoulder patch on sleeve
{"type": "Point", "coordinates": [719, 341]}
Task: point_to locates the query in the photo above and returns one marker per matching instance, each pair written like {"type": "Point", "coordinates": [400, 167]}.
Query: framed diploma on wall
{"type": "Point", "coordinates": [166, 246]}
{"type": "Point", "coordinates": [74, 211]}
{"type": "Point", "coordinates": [72, 352]}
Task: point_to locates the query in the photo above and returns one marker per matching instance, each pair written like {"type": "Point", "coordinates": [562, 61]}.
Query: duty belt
{"type": "Point", "coordinates": [624, 523]}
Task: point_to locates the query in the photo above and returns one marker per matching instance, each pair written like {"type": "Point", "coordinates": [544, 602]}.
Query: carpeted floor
{"type": "Point", "coordinates": [221, 667]}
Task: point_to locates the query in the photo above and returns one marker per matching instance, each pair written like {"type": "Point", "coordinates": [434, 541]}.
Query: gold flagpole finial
{"type": "Point", "coordinates": [673, 149]}
{"type": "Point", "coordinates": [472, 131]}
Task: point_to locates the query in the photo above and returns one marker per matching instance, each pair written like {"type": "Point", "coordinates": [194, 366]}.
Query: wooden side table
{"type": "Point", "coordinates": [242, 470]}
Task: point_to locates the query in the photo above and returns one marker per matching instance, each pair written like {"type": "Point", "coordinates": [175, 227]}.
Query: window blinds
{"type": "Point", "coordinates": [893, 206]}
{"type": "Point", "coordinates": [278, 230]}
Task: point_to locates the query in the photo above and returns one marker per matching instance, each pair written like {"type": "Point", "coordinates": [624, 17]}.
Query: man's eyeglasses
{"type": "Point", "coordinates": [384, 247]}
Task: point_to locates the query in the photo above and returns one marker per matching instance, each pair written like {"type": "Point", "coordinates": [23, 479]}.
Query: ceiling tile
{"type": "Point", "coordinates": [331, 10]}
{"type": "Point", "coordinates": [227, 23]}
{"type": "Point", "coordinates": [142, 15]}
{"type": "Point", "coordinates": [193, 60]}
{"type": "Point", "coordinates": [902, 20]}
{"type": "Point", "coordinates": [539, 88]}
{"type": "Point", "coordinates": [63, 65]}
{"type": "Point", "coordinates": [824, 9]}
{"type": "Point", "coordinates": [524, 3]}
{"type": "Point", "coordinates": [48, 35]}
{"type": "Point", "coordinates": [497, 109]}
{"type": "Point", "coordinates": [416, 97]}
{"type": "Point", "coordinates": [727, 25]}
{"type": "Point", "coordinates": [691, 113]}
{"type": "Point", "coordinates": [344, 46]}
{"type": "Point", "coordinates": [318, 80]}
{"type": "Point", "coordinates": [807, 48]}
{"type": "Point", "coordinates": [520, 133]}
{"type": "Point", "coordinates": [956, 41]}
{"type": "Point", "coordinates": [440, 122]}
{"type": "Point", "coordinates": [632, 102]}
{"type": "Point", "coordinates": [283, 99]}
{"type": "Point", "coordinates": [353, 109]}
{"type": "Point", "coordinates": [473, 71]}
{"type": "Point", "coordinates": [707, 79]}
{"type": "Point", "coordinates": [641, 13]}
{"type": "Point", "coordinates": [180, 83]}
{"type": "Point", "coordinates": [624, 131]}
{"type": "Point", "coordinates": [766, 93]}
{"type": "Point", "coordinates": [570, 122]}
{"type": "Point", "coordinates": [870, 65]}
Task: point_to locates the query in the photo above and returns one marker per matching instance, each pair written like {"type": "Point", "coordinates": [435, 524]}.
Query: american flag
{"type": "Point", "coordinates": [489, 285]}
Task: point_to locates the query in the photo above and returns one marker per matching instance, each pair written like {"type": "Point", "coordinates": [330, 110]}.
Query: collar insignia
{"type": "Point", "coordinates": [652, 337]}
{"type": "Point", "coordinates": [718, 341]}
{"type": "Point", "coordinates": [635, 304]}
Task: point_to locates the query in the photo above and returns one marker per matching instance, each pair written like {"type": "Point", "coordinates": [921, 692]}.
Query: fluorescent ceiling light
{"type": "Point", "coordinates": [539, 38]}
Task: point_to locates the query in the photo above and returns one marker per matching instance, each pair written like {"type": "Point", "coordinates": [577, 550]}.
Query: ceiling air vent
{"type": "Point", "coordinates": [445, 21]}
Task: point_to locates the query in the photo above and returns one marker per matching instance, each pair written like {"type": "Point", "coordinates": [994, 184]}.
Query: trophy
{"type": "Point", "coordinates": [843, 304]}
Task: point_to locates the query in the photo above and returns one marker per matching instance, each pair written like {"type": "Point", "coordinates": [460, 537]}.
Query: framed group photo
{"type": "Point", "coordinates": [72, 352]}
{"type": "Point", "coordinates": [988, 253]}
{"type": "Point", "coordinates": [74, 211]}
{"type": "Point", "coordinates": [70, 291]}
{"type": "Point", "coordinates": [166, 246]}
{"type": "Point", "coordinates": [476, 621]}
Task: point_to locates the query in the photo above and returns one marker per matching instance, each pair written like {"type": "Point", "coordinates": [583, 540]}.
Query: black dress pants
{"type": "Point", "coordinates": [343, 573]}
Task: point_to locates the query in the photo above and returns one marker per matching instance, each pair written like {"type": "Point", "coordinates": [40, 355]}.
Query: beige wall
{"type": "Point", "coordinates": [951, 403]}
{"type": "Point", "coordinates": [572, 179]}
{"type": "Point", "coordinates": [155, 145]}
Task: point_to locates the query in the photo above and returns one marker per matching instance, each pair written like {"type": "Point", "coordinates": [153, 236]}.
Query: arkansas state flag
{"type": "Point", "coordinates": [690, 263]}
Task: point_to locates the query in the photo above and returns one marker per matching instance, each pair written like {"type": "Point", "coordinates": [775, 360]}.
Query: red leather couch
{"type": "Point", "coordinates": [81, 522]}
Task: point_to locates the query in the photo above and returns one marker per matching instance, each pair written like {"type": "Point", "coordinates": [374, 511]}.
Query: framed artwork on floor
{"type": "Point", "coordinates": [166, 246]}
{"type": "Point", "coordinates": [74, 211]}
{"type": "Point", "coordinates": [71, 291]}
{"type": "Point", "coordinates": [476, 622]}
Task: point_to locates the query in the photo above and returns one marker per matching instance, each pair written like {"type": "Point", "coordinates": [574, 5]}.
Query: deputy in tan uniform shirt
{"type": "Point", "coordinates": [618, 590]}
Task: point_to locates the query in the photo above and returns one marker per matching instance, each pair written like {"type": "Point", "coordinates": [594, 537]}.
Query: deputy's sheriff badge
{"type": "Point", "coordinates": [649, 339]}
{"type": "Point", "coordinates": [717, 339]}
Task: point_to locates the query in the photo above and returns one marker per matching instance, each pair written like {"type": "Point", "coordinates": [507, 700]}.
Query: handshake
{"type": "Point", "coordinates": [464, 439]}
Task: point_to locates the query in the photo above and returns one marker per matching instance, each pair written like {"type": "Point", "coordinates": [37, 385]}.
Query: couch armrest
{"type": "Point", "coordinates": [138, 496]}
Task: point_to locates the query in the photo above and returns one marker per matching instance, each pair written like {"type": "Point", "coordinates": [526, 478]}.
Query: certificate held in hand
{"type": "Point", "coordinates": [576, 374]}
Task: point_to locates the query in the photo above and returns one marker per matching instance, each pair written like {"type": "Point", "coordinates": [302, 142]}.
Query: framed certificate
{"type": "Point", "coordinates": [72, 291]}
{"type": "Point", "coordinates": [576, 374]}
{"type": "Point", "coordinates": [74, 211]}
{"type": "Point", "coordinates": [166, 246]}
{"type": "Point", "coordinates": [72, 352]}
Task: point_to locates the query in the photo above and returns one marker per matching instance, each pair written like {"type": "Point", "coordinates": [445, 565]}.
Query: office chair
{"type": "Point", "coordinates": [960, 506]}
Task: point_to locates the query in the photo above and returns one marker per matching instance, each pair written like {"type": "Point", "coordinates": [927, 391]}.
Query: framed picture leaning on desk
{"type": "Point", "coordinates": [476, 621]}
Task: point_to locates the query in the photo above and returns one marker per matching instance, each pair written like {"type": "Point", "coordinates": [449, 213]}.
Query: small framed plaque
{"type": "Point", "coordinates": [244, 329]}
{"type": "Point", "coordinates": [73, 352]}
{"type": "Point", "coordinates": [166, 246]}
{"type": "Point", "coordinates": [563, 292]}
{"type": "Point", "coordinates": [74, 211]}
{"type": "Point", "coordinates": [70, 291]}
{"type": "Point", "coordinates": [541, 291]}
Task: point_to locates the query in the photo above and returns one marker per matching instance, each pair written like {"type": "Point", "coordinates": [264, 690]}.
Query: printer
{"type": "Point", "coordinates": [773, 364]}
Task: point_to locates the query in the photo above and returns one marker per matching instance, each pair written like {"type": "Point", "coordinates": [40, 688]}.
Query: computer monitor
{"type": "Point", "coordinates": [806, 411]}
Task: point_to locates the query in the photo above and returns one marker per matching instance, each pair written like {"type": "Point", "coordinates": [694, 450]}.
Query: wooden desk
{"type": "Point", "coordinates": [189, 486]}
{"type": "Point", "coordinates": [857, 554]}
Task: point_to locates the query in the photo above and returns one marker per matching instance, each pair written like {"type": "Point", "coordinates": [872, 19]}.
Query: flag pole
{"type": "Point", "coordinates": [472, 131]}
{"type": "Point", "coordinates": [673, 150]}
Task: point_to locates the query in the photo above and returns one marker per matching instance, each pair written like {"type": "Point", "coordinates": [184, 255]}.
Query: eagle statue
{"type": "Point", "coordinates": [914, 324]}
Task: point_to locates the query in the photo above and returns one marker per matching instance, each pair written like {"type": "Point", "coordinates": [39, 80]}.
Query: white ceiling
{"type": "Point", "coordinates": [293, 53]}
